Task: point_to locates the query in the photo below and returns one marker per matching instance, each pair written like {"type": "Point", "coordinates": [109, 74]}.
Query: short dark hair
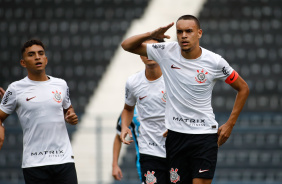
{"type": "Point", "coordinates": [190, 17]}
{"type": "Point", "coordinates": [30, 43]}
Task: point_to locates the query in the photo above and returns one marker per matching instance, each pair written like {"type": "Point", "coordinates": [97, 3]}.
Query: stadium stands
{"type": "Point", "coordinates": [247, 35]}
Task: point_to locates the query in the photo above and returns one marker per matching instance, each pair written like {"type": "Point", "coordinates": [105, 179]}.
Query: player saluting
{"type": "Point", "coordinates": [190, 72]}
{"type": "Point", "coordinates": [43, 105]}
{"type": "Point", "coordinates": [146, 90]}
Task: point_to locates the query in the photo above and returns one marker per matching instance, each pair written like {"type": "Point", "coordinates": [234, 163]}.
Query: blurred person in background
{"type": "Point", "coordinates": [134, 127]}
{"type": "Point", "coordinates": [43, 105]}
{"type": "Point", "coordinates": [146, 90]}
{"type": "Point", "coordinates": [190, 73]}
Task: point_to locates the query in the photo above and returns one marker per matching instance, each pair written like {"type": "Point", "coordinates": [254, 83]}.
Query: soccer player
{"type": "Point", "coordinates": [43, 105]}
{"type": "Point", "coordinates": [134, 127]}
{"type": "Point", "coordinates": [146, 90]}
{"type": "Point", "coordinates": [190, 72]}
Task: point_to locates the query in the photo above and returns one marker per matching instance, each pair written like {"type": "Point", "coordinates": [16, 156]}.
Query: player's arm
{"type": "Point", "coordinates": [135, 43]}
{"type": "Point", "coordinates": [242, 94]}
{"type": "Point", "coordinates": [70, 116]}
{"type": "Point", "coordinates": [116, 172]}
{"type": "Point", "coordinates": [2, 92]}
{"type": "Point", "coordinates": [3, 116]}
{"type": "Point", "coordinates": [126, 117]}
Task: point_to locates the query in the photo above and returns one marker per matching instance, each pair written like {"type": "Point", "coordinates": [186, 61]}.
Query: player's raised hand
{"type": "Point", "coordinates": [160, 32]}
{"type": "Point", "coordinates": [71, 117]}
{"type": "Point", "coordinates": [126, 136]}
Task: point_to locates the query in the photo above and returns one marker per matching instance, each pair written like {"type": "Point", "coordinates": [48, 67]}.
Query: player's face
{"type": "Point", "coordinates": [188, 34]}
{"type": "Point", "coordinates": [145, 59]}
{"type": "Point", "coordinates": [34, 59]}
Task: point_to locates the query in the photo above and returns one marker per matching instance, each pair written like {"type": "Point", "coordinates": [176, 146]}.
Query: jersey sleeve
{"type": "Point", "coordinates": [9, 101]}
{"type": "Point", "coordinates": [156, 51]}
{"type": "Point", "coordinates": [225, 72]}
{"type": "Point", "coordinates": [66, 101]}
{"type": "Point", "coordinates": [129, 95]}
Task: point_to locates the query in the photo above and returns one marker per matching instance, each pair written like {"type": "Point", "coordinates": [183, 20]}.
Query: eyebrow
{"type": "Point", "coordinates": [31, 52]}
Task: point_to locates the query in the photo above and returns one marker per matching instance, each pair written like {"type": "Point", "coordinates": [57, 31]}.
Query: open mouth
{"type": "Point", "coordinates": [38, 64]}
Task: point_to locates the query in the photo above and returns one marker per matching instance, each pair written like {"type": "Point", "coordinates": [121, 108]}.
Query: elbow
{"type": "Point", "coordinates": [125, 46]}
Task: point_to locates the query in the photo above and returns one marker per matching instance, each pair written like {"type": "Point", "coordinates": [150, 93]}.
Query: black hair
{"type": "Point", "coordinates": [30, 43]}
{"type": "Point", "coordinates": [190, 17]}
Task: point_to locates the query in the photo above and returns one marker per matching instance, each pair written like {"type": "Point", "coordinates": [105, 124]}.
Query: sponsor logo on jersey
{"type": "Point", "coordinates": [201, 77]}
{"type": "Point", "coordinates": [27, 99]}
{"type": "Point", "coordinates": [193, 122]}
{"type": "Point", "coordinates": [224, 71]}
{"type": "Point", "coordinates": [141, 98]}
{"type": "Point", "coordinates": [126, 92]}
{"type": "Point", "coordinates": [174, 177]}
{"type": "Point", "coordinates": [150, 178]}
{"type": "Point", "coordinates": [51, 153]}
{"type": "Point", "coordinates": [57, 96]}
{"type": "Point", "coordinates": [164, 96]}
{"type": "Point", "coordinates": [6, 97]}
{"type": "Point", "coordinates": [201, 171]}
{"type": "Point", "coordinates": [174, 67]}
{"type": "Point", "coordinates": [158, 46]}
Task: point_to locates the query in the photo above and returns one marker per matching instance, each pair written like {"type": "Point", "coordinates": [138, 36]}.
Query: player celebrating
{"type": "Point", "coordinates": [190, 72]}
{"type": "Point", "coordinates": [43, 105]}
{"type": "Point", "coordinates": [146, 90]}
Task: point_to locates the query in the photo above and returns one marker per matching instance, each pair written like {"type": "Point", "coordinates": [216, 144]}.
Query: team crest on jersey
{"type": "Point", "coordinates": [57, 96]}
{"type": "Point", "coordinates": [201, 77]}
{"type": "Point", "coordinates": [174, 177]}
{"type": "Point", "coordinates": [164, 96]}
{"type": "Point", "coordinates": [150, 178]}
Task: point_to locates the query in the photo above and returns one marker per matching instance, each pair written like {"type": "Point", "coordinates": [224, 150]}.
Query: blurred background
{"type": "Point", "coordinates": [83, 47]}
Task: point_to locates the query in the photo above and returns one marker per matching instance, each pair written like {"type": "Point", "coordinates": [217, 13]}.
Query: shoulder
{"type": "Point", "coordinates": [58, 80]}
{"type": "Point", "coordinates": [137, 77]}
{"type": "Point", "coordinates": [18, 84]}
{"type": "Point", "coordinates": [212, 55]}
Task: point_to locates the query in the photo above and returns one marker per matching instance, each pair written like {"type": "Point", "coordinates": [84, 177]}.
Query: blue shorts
{"type": "Point", "coordinates": [191, 156]}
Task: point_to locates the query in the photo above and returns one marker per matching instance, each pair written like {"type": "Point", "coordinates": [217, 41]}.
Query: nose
{"type": "Point", "coordinates": [37, 56]}
{"type": "Point", "coordinates": [184, 34]}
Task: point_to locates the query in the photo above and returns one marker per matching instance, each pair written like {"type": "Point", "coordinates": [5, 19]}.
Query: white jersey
{"type": "Point", "coordinates": [39, 105]}
{"type": "Point", "coordinates": [189, 84]}
{"type": "Point", "coordinates": [150, 99]}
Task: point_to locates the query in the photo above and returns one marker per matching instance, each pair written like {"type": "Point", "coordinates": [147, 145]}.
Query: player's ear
{"type": "Point", "coordinates": [22, 61]}
{"type": "Point", "coordinates": [200, 33]}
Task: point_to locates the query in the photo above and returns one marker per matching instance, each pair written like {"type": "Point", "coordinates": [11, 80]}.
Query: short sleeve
{"type": "Point", "coordinates": [9, 101]}
{"type": "Point", "coordinates": [156, 51]}
{"type": "Point", "coordinates": [224, 70]}
{"type": "Point", "coordinates": [129, 95]}
{"type": "Point", "coordinates": [66, 101]}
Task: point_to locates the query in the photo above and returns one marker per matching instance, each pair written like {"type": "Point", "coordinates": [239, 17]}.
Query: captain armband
{"type": "Point", "coordinates": [232, 78]}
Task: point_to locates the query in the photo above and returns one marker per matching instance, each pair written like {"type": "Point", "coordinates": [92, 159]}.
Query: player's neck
{"type": "Point", "coordinates": [153, 73]}
{"type": "Point", "coordinates": [38, 76]}
{"type": "Point", "coordinates": [192, 53]}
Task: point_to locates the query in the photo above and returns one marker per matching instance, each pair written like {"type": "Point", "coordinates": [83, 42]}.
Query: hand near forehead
{"type": "Point", "coordinates": [160, 32]}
